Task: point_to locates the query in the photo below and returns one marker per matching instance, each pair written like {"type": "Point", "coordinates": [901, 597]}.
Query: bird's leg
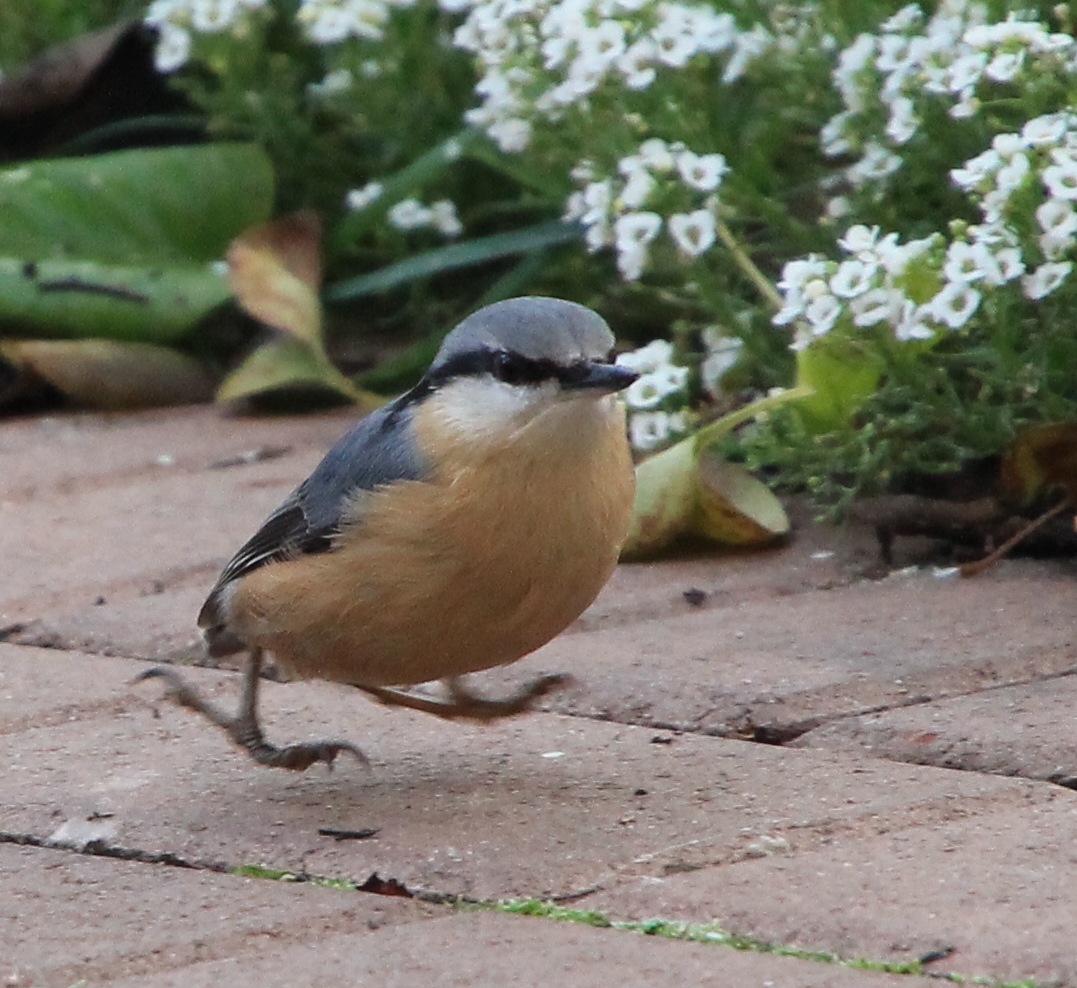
{"type": "Point", "coordinates": [463, 705]}
{"type": "Point", "coordinates": [244, 729]}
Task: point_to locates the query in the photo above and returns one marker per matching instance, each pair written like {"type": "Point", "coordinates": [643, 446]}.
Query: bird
{"type": "Point", "coordinates": [457, 528]}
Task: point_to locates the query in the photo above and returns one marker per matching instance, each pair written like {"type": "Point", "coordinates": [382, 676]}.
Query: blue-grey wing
{"type": "Point", "coordinates": [377, 452]}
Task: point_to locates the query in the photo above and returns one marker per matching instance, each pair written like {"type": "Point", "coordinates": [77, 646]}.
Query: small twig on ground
{"type": "Point", "coordinates": [971, 569]}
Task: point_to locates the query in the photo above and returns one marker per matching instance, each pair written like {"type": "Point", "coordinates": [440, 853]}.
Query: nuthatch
{"type": "Point", "coordinates": [456, 528]}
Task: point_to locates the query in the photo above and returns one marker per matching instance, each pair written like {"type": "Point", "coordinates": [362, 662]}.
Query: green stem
{"type": "Point", "coordinates": [747, 265]}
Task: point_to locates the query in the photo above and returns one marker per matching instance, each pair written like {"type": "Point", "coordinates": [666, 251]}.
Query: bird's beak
{"type": "Point", "coordinates": [600, 377]}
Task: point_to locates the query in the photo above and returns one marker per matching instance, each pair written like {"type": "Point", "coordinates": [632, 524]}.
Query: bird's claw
{"type": "Point", "coordinates": [244, 729]}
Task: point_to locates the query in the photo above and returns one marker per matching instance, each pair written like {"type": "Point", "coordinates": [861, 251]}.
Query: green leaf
{"type": "Point", "coordinates": [145, 206]}
{"type": "Point", "coordinates": [283, 363]}
{"type": "Point", "coordinates": [72, 298]}
{"type": "Point", "coordinates": [466, 254]}
{"type": "Point", "coordinates": [842, 374]}
{"type": "Point", "coordinates": [117, 245]}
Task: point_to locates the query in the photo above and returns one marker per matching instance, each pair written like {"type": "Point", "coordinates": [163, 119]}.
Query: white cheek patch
{"type": "Point", "coordinates": [483, 407]}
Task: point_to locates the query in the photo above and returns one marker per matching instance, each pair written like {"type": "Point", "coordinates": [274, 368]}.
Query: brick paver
{"type": "Point", "coordinates": [637, 793]}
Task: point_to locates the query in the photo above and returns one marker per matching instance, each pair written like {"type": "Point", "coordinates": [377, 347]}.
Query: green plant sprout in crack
{"type": "Point", "coordinates": [703, 933]}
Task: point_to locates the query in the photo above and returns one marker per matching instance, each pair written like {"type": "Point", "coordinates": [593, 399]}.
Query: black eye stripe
{"type": "Point", "coordinates": [513, 368]}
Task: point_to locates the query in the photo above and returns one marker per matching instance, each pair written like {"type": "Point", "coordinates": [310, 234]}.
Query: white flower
{"type": "Point", "coordinates": [443, 218]}
{"type": "Point", "coordinates": [877, 163]}
{"type": "Point", "coordinates": [637, 189]}
{"type": "Point", "coordinates": [693, 232]}
{"type": "Point", "coordinates": [976, 171]}
{"type": "Point", "coordinates": [649, 390]}
{"type": "Point", "coordinates": [702, 171]}
{"type": "Point", "coordinates": [213, 15]}
{"type": "Point", "coordinates": [875, 306]}
{"type": "Point", "coordinates": [335, 82]}
{"type": "Point", "coordinates": [408, 214]}
{"type": "Point", "coordinates": [852, 278]}
{"type": "Point", "coordinates": [512, 135]}
{"type": "Point", "coordinates": [631, 259]}
{"type": "Point", "coordinates": [1010, 263]}
{"type": "Point", "coordinates": [895, 257]}
{"type": "Point", "coordinates": [1047, 129]}
{"type": "Point", "coordinates": [967, 262]}
{"type": "Point", "coordinates": [636, 64]}
{"type": "Point", "coordinates": [722, 355]}
{"type": "Point", "coordinates": [954, 305]}
{"type": "Point", "coordinates": [656, 155]}
{"type": "Point", "coordinates": [839, 207]}
{"type": "Point", "coordinates": [636, 229]}
{"type": "Point", "coordinates": [598, 235]}
{"type": "Point", "coordinates": [904, 20]}
{"type": "Point", "coordinates": [1054, 247]}
{"type": "Point", "coordinates": [911, 325]}
{"type": "Point", "coordinates": [966, 70]}
{"type": "Point", "coordinates": [860, 240]}
{"type": "Point", "coordinates": [822, 312]}
{"type": "Point", "coordinates": [361, 198]}
{"type": "Point", "coordinates": [648, 430]}
{"type": "Point", "coordinates": [1005, 65]}
{"type": "Point", "coordinates": [747, 47]}
{"type": "Point", "coordinates": [647, 359]}
{"type": "Point", "coordinates": [673, 37]}
{"type": "Point", "coordinates": [1058, 217]}
{"type": "Point", "coordinates": [965, 108]}
{"type": "Point", "coordinates": [1012, 174]}
{"type": "Point", "coordinates": [603, 44]}
{"type": "Point", "coordinates": [327, 22]}
{"type": "Point", "coordinates": [173, 48]}
{"type": "Point", "coordinates": [903, 121]}
{"type": "Point", "coordinates": [1045, 279]}
{"type": "Point", "coordinates": [1061, 179]}
{"type": "Point", "coordinates": [799, 272]}
{"type": "Point", "coordinates": [1007, 145]}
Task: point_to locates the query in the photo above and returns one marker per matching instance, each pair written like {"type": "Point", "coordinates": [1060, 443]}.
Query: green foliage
{"type": "Point", "coordinates": [120, 245]}
{"type": "Point", "coordinates": [27, 29]}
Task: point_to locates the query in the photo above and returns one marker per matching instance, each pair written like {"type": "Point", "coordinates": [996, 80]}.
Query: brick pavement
{"type": "Point", "coordinates": [902, 810]}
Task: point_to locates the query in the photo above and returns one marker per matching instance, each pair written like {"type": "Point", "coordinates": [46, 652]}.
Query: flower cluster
{"type": "Point", "coordinates": [410, 214]}
{"type": "Point", "coordinates": [1042, 158]}
{"type": "Point", "coordinates": [656, 400]}
{"type": "Point", "coordinates": [326, 22]}
{"type": "Point", "coordinates": [1024, 181]}
{"type": "Point", "coordinates": [175, 20]}
{"type": "Point", "coordinates": [323, 22]}
{"type": "Point", "coordinates": [540, 57]}
{"type": "Point", "coordinates": [613, 210]}
{"type": "Point", "coordinates": [956, 57]}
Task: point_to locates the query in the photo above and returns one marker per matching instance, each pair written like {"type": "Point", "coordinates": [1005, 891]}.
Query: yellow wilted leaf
{"type": "Point", "coordinates": [275, 271]}
{"type": "Point", "coordinates": [688, 490]}
{"type": "Point", "coordinates": [734, 507]}
{"type": "Point", "coordinates": [110, 374]}
{"type": "Point", "coordinates": [1039, 457]}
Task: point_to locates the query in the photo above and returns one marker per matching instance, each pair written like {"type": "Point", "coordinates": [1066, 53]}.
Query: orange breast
{"type": "Point", "coordinates": [475, 569]}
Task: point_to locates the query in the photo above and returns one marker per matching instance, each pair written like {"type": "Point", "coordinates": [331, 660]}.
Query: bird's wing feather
{"type": "Point", "coordinates": [378, 451]}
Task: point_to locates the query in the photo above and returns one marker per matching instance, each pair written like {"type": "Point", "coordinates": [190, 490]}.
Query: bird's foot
{"type": "Point", "coordinates": [245, 731]}
{"type": "Point", "coordinates": [462, 705]}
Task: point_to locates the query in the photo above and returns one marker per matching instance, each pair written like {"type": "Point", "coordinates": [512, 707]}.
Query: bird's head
{"type": "Point", "coordinates": [522, 360]}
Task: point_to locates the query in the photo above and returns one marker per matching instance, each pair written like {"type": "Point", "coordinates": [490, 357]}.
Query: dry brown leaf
{"type": "Point", "coordinates": [275, 271]}
{"type": "Point", "coordinates": [1041, 457]}
{"type": "Point", "coordinates": [112, 375]}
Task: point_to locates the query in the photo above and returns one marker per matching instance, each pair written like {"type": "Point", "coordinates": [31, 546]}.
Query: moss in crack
{"type": "Point", "coordinates": [706, 933]}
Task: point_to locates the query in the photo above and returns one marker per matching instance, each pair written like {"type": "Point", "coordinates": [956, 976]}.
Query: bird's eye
{"type": "Point", "coordinates": [510, 368]}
